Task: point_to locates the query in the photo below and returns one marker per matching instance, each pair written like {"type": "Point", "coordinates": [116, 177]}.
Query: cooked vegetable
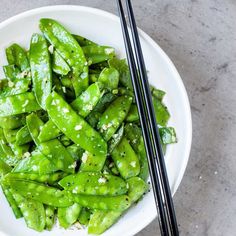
{"type": "Point", "coordinates": [71, 145]}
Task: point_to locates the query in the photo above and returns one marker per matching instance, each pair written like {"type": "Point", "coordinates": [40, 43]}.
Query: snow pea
{"type": "Point", "coordinates": [11, 122]}
{"type": "Point", "coordinates": [95, 53]}
{"type": "Point", "coordinates": [93, 118]}
{"type": "Point", "coordinates": [11, 72]}
{"type": "Point", "coordinates": [4, 168]}
{"type": "Point", "coordinates": [167, 135]}
{"type": "Point", "coordinates": [49, 131]}
{"type": "Point", "coordinates": [68, 215]}
{"type": "Point", "coordinates": [70, 50]}
{"type": "Point", "coordinates": [134, 134]}
{"type": "Point", "coordinates": [10, 135]}
{"type": "Point", "coordinates": [33, 212]}
{"type": "Point", "coordinates": [19, 151]}
{"type": "Point", "coordinates": [83, 41]}
{"type": "Point", "coordinates": [116, 203]}
{"type": "Point", "coordinates": [93, 78]}
{"type": "Point", "coordinates": [40, 68]}
{"type": "Point", "coordinates": [50, 217]}
{"type": "Point", "coordinates": [133, 114]}
{"type": "Point", "coordinates": [34, 125]}
{"type": "Point", "coordinates": [93, 183]}
{"type": "Point", "coordinates": [16, 55]}
{"type": "Point", "coordinates": [23, 136]}
{"type": "Point", "coordinates": [59, 65]}
{"type": "Point", "coordinates": [116, 138]}
{"type": "Point", "coordinates": [125, 159]}
{"type": "Point", "coordinates": [113, 116]}
{"type": "Point", "coordinates": [35, 162]}
{"type": "Point", "coordinates": [75, 151]}
{"type": "Point", "coordinates": [11, 201]}
{"type": "Point", "coordinates": [84, 216]}
{"type": "Point", "coordinates": [65, 140]}
{"type": "Point", "coordinates": [18, 86]}
{"type": "Point", "coordinates": [17, 104]}
{"type": "Point", "coordinates": [74, 126]}
{"type": "Point", "coordinates": [161, 112]}
{"type": "Point", "coordinates": [58, 155]}
{"type": "Point", "coordinates": [109, 78]}
{"type": "Point", "coordinates": [40, 192]}
{"type": "Point", "coordinates": [157, 93]}
{"type": "Point", "coordinates": [123, 70]}
{"type": "Point", "coordinates": [100, 221]}
{"type": "Point", "coordinates": [85, 103]}
{"type": "Point", "coordinates": [41, 178]}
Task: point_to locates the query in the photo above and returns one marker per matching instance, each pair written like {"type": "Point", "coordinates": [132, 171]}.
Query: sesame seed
{"type": "Point", "coordinates": [78, 127]}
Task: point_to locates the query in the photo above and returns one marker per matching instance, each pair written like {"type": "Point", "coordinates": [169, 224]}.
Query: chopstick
{"type": "Point", "coordinates": [157, 168]}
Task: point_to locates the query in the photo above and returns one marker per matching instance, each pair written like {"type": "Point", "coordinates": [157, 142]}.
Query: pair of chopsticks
{"type": "Point", "coordinates": [157, 168]}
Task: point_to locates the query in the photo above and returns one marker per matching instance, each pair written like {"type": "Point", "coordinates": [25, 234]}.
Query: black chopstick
{"type": "Point", "coordinates": [157, 169]}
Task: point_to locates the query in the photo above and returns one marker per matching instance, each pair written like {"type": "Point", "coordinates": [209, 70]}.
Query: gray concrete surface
{"type": "Point", "coordinates": [200, 38]}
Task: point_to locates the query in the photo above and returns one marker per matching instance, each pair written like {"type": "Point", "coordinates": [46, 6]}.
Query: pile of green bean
{"type": "Point", "coordinates": [70, 140]}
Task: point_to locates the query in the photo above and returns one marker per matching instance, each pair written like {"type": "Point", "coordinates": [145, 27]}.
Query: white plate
{"type": "Point", "coordinates": [104, 28]}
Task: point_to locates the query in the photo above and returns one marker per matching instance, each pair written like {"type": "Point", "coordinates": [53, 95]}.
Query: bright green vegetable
{"type": "Point", "coordinates": [86, 102]}
{"type": "Point", "coordinates": [40, 68]}
{"type": "Point", "coordinates": [115, 140]}
{"type": "Point", "coordinates": [115, 203]}
{"type": "Point", "coordinates": [84, 216]}
{"type": "Point", "coordinates": [10, 135]}
{"type": "Point", "coordinates": [50, 217]}
{"type": "Point", "coordinates": [93, 183]}
{"type": "Point", "coordinates": [42, 193]}
{"type": "Point", "coordinates": [70, 50]}
{"type": "Point", "coordinates": [109, 78]}
{"type": "Point", "coordinates": [23, 136]}
{"type": "Point", "coordinates": [96, 53]}
{"type": "Point", "coordinates": [161, 112]}
{"type": "Point", "coordinates": [17, 104]}
{"type": "Point", "coordinates": [59, 65]}
{"type": "Point", "coordinates": [33, 212]}
{"type": "Point", "coordinates": [75, 151]}
{"type": "Point", "coordinates": [125, 159]}
{"type": "Point", "coordinates": [68, 215]}
{"type": "Point", "coordinates": [11, 122]}
{"type": "Point", "coordinates": [114, 115]}
{"type": "Point", "coordinates": [74, 126]}
{"type": "Point", "coordinates": [49, 131]}
{"type": "Point", "coordinates": [83, 41]}
{"type": "Point", "coordinates": [133, 114]}
{"type": "Point", "coordinates": [167, 135]}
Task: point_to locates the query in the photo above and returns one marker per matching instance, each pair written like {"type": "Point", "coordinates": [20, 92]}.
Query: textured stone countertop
{"type": "Point", "coordinates": [200, 38]}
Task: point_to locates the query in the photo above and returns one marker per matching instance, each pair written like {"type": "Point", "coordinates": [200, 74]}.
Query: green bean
{"type": "Point", "coordinates": [115, 203]}
{"type": "Point", "coordinates": [125, 159]}
{"type": "Point", "coordinates": [33, 212]}
{"type": "Point", "coordinates": [50, 217]}
{"type": "Point", "coordinates": [96, 54]}
{"type": "Point", "coordinates": [11, 201]}
{"type": "Point", "coordinates": [86, 102]}
{"type": "Point", "coordinates": [75, 151]}
{"type": "Point", "coordinates": [40, 68]}
{"type": "Point", "coordinates": [70, 50]}
{"type": "Point", "coordinates": [17, 104]}
{"type": "Point", "coordinates": [83, 41]}
{"type": "Point", "coordinates": [16, 55]}
{"type": "Point", "coordinates": [123, 70]}
{"type": "Point", "coordinates": [134, 135]}
{"type": "Point", "coordinates": [40, 192]}
{"type": "Point", "coordinates": [109, 78]}
{"type": "Point", "coordinates": [35, 162]}
{"type": "Point", "coordinates": [59, 65]}
{"type": "Point", "coordinates": [11, 122]}
{"type": "Point", "coordinates": [84, 216]}
{"type": "Point", "coordinates": [49, 131]}
{"type": "Point", "coordinates": [167, 135]}
{"type": "Point", "coordinates": [100, 221]}
{"type": "Point", "coordinates": [115, 140]}
{"type": "Point", "coordinates": [93, 183]}
{"type": "Point", "coordinates": [74, 127]}
{"type": "Point", "coordinates": [23, 136]}
{"type": "Point", "coordinates": [69, 215]}
{"type": "Point", "coordinates": [114, 116]}
{"type": "Point", "coordinates": [41, 178]}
